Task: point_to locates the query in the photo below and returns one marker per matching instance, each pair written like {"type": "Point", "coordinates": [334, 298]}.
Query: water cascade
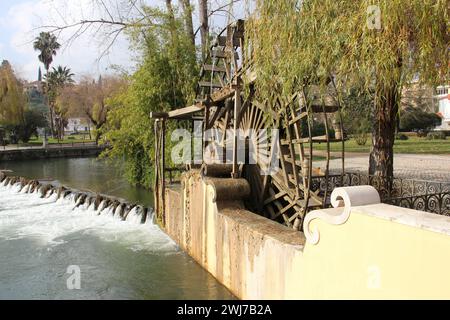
{"type": "Point", "coordinates": [100, 204]}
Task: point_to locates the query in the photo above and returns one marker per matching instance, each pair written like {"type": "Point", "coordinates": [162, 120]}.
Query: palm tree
{"type": "Point", "coordinates": [59, 77]}
{"type": "Point", "coordinates": [48, 45]}
{"type": "Point", "coordinates": [55, 81]}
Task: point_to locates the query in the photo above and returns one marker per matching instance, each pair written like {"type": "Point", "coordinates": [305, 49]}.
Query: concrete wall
{"type": "Point", "coordinates": [377, 251]}
{"type": "Point", "coordinates": [41, 153]}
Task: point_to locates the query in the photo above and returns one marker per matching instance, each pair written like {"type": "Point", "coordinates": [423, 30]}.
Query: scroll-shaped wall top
{"type": "Point", "coordinates": [346, 197]}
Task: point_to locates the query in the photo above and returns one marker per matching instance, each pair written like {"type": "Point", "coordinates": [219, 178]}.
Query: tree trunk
{"type": "Point", "coordinates": [386, 102]}
{"type": "Point", "coordinates": [172, 24]}
{"type": "Point", "coordinates": [204, 27]}
{"type": "Point", "coordinates": [170, 10]}
{"type": "Point", "coordinates": [52, 121]}
{"type": "Point", "coordinates": [187, 11]}
{"type": "Point", "coordinates": [89, 128]}
{"type": "Point", "coordinates": [97, 133]}
{"type": "Point", "coordinates": [52, 127]}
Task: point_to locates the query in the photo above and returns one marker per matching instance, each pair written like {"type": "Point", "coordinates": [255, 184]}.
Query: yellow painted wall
{"type": "Point", "coordinates": [365, 258]}
{"type": "Point", "coordinates": [373, 258]}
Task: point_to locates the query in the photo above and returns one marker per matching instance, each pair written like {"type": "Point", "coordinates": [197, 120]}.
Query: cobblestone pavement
{"type": "Point", "coordinates": [414, 166]}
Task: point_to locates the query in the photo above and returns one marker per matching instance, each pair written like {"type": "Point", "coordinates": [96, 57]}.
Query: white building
{"type": "Point", "coordinates": [76, 125]}
{"type": "Point", "coordinates": [443, 98]}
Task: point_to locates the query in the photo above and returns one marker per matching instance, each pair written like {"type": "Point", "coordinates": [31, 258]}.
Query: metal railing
{"type": "Point", "coordinates": [423, 195]}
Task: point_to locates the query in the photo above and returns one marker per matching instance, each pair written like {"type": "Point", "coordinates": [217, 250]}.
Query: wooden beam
{"type": "Point", "coordinates": [206, 84]}
{"type": "Point", "coordinates": [158, 115]}
{"type": "Point", "coordinates": [224, 93]}
{"type": "Point", "coordinates": [219, 53]}
{"type": "Point", "coordinates": [183, 112]}
{"type": "Point", "coordinates": [208, 67]}
{"type": "Point", "coordinates": [236, 115]}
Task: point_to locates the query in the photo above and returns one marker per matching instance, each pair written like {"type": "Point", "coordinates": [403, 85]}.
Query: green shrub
{"type": "Point", "coordinates": [401, 136]}
{"type": "Point", "coordinates": [436, 136]}
{"type": "Point", "coordinates": [415, 119]}
{"type": "Point", "coordinates": [361, 138]}
{"type": "Point", "coordinates": [422, 133]}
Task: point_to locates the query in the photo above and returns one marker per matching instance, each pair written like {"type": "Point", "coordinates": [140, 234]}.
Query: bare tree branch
{"type": "Point", "coordinates": [219, 9]}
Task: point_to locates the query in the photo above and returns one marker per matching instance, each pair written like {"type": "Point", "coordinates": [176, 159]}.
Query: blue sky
{"type": "Point", "coordinates": [18, 22]}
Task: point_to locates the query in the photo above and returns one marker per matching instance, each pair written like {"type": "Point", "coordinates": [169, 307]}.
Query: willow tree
{"type": "Point", "coordinates": [12, 99]}
{"type": "Point", "coordinates": [377, 46]}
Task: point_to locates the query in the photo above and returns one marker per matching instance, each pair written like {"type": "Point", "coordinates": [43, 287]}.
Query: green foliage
{"type": "Point", "coordinates": [401, 136]}
{"type": "Point", "coordinates": [296, 43]}
{"type": "Point", "coordinates": [356, 113]}
{"type": "Point", "coordinates": [56, 80]}
{"type": "Point", "coordinates": [12, 99]}
{"type": "Point", "coordinates": [414, 145]}
{"type": "Point", "coordinates": [33, 119]}
{"type": "Point", "coordinates": [436, 136]}
{"type": "Point", "coordinates": [317, 129]}
{"type": "Point", "coordinates": [415, 119]}
{"type": "Point", "coordinates": [164, 81]}
{"type": "Point", "coordinates": [47, 44]}
{"type": "Point", "coordinates": [361, 138]}
{"type": "Point", "coordinates": [36, 101]}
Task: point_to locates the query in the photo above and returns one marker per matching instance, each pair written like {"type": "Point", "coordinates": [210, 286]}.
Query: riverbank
{"type": "Point", "coordinates": [68, 151]}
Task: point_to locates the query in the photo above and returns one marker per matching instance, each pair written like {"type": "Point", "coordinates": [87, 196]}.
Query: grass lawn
{"type": "Point", "coordinates": [69, 139]}
{"type": "Point", "coordinates": [412, 145]}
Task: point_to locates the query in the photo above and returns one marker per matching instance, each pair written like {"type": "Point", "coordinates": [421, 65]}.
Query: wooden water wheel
{"type": "Point", "coordinates": [280, 135]}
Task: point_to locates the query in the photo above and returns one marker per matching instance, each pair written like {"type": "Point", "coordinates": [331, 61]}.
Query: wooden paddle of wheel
{"type": "Point", "coordinates": [287, 194]}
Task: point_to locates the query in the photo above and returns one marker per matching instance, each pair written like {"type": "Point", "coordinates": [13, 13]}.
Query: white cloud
{"type": "Point", "coordinates": [23, 21]}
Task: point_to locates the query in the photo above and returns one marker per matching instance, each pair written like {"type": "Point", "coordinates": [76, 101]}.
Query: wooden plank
{"type": "Point", "coordinates": [297, 118]}
{"type": "Point", "coordinates": [158, 115]}
{"type": "Point", "coordinates": [221, 95]}
{"type": "Point", "coordinates": [320, 138]}
{"type": "Point", "coordinates": [314, 197]}
{"type": "Point", "coordinates": [288, 158]}
{"type": "Point", "coordinates": [211, 68]}
{"type": "Point", "coordinates": [218, 53]}
{"type": "Point", "coordinates": [186, 111]}
{"type": "Point", "coordinates": [221, 54]}
{"type": "Point", "coordinates": [206, 84]}
{"type": "Point", "coordinates": [284, 210]}
{"type": "Point", "coordinates": [293, 155]}
{"type": "Point", "coordinates": [221, 41]}
{"type": "Point", "coordinates": [275, 197]}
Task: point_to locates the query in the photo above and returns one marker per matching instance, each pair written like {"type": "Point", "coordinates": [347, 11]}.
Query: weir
{"type": "Point", "coordinates": [102, 204]}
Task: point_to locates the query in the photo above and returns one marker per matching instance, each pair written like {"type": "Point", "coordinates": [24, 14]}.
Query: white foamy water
{"type": "Point", "coordinates": [41, 238]}
{"type": "Point", "coordinates": [49, 220]}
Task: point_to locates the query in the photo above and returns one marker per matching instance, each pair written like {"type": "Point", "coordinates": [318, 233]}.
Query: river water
{"type": "Point", "coordinates": [51, 250]}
